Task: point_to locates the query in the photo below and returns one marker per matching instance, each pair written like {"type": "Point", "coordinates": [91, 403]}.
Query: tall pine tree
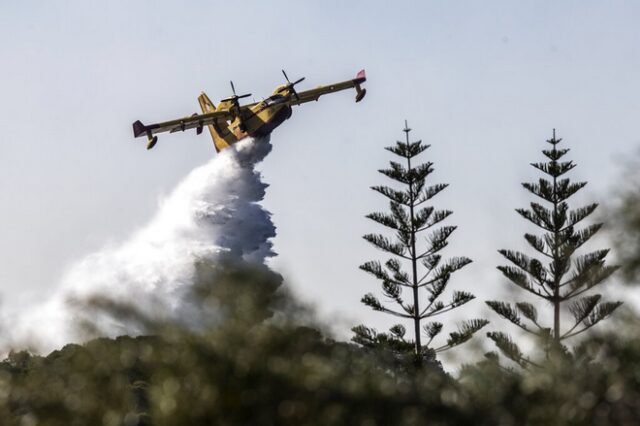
{"type": "Point", "coordinates": [414, 267]}
{"type": "Point", "coordinates": [559, 276]}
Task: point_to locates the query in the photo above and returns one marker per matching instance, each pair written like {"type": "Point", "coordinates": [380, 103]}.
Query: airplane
{"type": "Point", "coordinates": [231, 122]}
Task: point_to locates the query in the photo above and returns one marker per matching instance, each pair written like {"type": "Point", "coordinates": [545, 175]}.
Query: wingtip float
{"type": "Point", "coordinates": [230, 122]}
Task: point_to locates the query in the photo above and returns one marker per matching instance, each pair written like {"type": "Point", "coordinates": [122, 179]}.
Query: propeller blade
{"type": "Point", "coordinates": [285, 76]}
{"type": "Point", "coordinates": [235, 98]}
{"type": "Point", "coordinates": [291, 85]}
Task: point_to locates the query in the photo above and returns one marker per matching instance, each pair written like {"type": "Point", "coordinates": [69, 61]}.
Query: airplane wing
{"type": "Point", "coordinates": [196, 121]}
{"type": "Point", "coordinates": [314, 94]}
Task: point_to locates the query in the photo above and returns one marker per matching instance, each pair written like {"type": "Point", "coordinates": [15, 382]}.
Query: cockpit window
{"type": "Point", "coordinates": [273, 100]}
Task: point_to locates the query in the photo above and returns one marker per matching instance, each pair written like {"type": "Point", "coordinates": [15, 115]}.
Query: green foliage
{"type": "Point", "coordinates": [625, 213]}
{"type": "Point", "coordinates": [507, 346]}
{"type": "Point", "coordinates": [415, 266]}
{"type": "Point", "coordinates": [561, 277]}
{"type": "Point", "coordinates": [597, 385]}
{"type": "Point", "coordinates": [277, 372]}
{"type": "Point", "coordinates": [465, 331]}
{"type": "Point", "coordinates": [255, 365]}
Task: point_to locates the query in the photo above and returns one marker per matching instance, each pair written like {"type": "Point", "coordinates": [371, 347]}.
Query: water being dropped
{"type": "Point", "coordinates": [212, 213]}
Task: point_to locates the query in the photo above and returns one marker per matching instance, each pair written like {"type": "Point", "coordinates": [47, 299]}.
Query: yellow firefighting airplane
{"type": "Point", "coordinates": [231, 122]}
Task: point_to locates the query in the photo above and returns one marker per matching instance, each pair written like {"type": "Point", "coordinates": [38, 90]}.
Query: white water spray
{"type": "Point", "coordinates": [213, 212]}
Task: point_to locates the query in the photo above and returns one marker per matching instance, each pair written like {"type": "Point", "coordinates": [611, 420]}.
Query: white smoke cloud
{"type": "Point", "coordinates": [213, 212]}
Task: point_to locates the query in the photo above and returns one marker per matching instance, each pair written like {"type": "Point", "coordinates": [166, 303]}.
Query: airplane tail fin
{"type": "Point", "coordinates": [205, 103]}
{"type": "Point", "coordinates": [139, 128]}
{"type": "Point", "coordinates": [207, 107]}
{"type": "Point", "coordinates": [361, 77]}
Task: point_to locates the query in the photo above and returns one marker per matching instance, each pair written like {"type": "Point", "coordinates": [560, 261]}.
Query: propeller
{"type": "Point", "coordinates": [291, 85]}
{"type": "Point", "coordinates": [236, 104]}
{"type": "Point", "coordinates": [235, 97]}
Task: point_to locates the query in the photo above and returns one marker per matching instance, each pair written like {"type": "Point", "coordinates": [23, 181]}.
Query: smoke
{"type": "Point", "coordinates": [212, 214]}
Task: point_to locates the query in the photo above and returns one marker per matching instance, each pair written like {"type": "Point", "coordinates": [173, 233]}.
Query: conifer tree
{"type": "Point", "coordinates": [414, 267]}
{"type": "Point", "coordinates": [558, 275]}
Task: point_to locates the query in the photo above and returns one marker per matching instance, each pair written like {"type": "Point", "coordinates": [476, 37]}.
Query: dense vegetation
{"type": "Point", "coordinates": [251, 371]}
{"type": "Point", "coordinates": [262, 359]}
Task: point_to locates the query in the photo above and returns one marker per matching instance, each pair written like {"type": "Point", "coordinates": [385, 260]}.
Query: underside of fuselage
{"type": "Point", "coordinates": [258, 123]}
{"type": "Point", "coordinates": [274, 121]}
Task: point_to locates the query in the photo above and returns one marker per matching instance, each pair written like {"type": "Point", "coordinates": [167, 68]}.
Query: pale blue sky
{"type": "Point", "coordinates": [483, 82]}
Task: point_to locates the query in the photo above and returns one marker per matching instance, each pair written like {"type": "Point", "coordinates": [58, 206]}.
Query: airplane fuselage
{"type": "Point", "coordinates": [257, 121]}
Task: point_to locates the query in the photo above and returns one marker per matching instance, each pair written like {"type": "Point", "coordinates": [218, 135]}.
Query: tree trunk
{"type": "Point", "coordinates": [414, 266]}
